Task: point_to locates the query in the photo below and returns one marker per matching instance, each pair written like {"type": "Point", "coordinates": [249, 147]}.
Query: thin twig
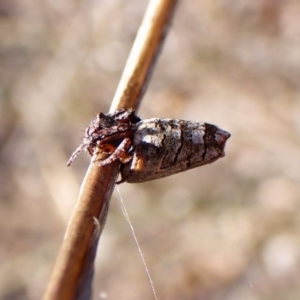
{"type": "Point", "coordinates": [73, 271]}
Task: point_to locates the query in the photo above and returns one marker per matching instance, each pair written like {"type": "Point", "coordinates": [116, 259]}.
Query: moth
{"type": "Point", "coordinates": [153, 148]}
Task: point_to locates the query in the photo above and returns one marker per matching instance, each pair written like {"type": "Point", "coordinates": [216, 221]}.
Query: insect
{"type": "Point", "coordinates": [153, 148]}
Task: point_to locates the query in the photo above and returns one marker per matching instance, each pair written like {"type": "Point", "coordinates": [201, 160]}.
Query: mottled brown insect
{"type": "Point", "coordinates": [153, 148]}
{"type": "Point", "coordinates": [163, 147]}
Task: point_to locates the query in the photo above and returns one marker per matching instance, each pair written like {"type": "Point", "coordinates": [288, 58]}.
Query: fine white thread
{"type": "Point", "coordinates": [137, 243]}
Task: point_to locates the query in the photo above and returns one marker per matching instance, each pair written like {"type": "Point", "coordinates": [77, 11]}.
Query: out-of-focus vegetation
{"type": "Point", "coordinates": [230, 230]}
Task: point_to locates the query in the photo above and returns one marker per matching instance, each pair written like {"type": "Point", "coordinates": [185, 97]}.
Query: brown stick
{"type": "Point", "coordinates": [73, 271]}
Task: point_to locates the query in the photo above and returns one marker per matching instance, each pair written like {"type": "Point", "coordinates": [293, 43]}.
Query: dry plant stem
{"type": "Point", "coordinates": [73, 271]}
{"type": "Point", "coordinates": [144, 53]}
{"type": "Point", "coordinates": [81, 235]}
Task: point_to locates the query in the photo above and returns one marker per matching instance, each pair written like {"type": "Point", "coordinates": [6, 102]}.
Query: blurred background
{"type": "Point", "coordinates": [230, 230]}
